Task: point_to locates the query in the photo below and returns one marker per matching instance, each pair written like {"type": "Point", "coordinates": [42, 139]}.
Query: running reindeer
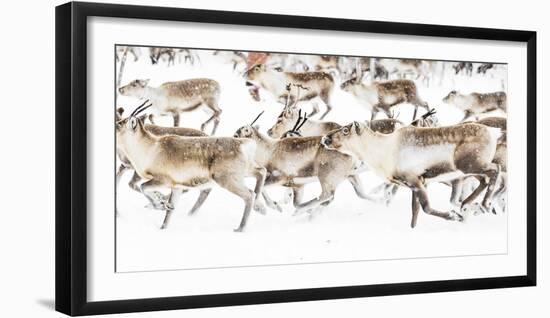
{"type": "Point", "coordinates": [412, 156]}
{"type": "Point", "coordinates": [319, 84]}
{"type": "Point", "coordinates": [294, 162]}
{"type": "Point", "coordinates": [173, 98]}
{"type": "Point", "coordinates": [126, 165]}
{"type": "Point", "coordinates": [382, 96]}
{"type": "Point", "coordinates": [291, 115]}
{"type": "Point", "coordinates": [475, 104]}
{"type": "Point", "coordinates": [178, 163]}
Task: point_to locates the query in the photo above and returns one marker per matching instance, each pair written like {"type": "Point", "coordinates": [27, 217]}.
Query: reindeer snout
{"type": "Point", "coordinates": [121, 90]}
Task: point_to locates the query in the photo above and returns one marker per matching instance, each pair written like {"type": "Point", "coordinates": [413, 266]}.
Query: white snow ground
{"type": "Point", "coordinates": [350, 229]}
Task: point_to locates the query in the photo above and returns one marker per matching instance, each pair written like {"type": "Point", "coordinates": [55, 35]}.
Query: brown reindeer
{"type": "Point", "coordinates": [173, 98]}
{"type": "Point", "coordinates": [178, 163]}
{"type": "Point", "coordinates": [412, 156]}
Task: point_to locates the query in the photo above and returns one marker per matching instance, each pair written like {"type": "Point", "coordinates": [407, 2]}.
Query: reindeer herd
{"type": "Point", "coordinates": [468, 156]}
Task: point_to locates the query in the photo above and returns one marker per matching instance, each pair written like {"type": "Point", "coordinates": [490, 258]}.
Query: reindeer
{"type": "Point", "coordinates": [188, 55]}
{"type": "Point", "coordinates": [156, 53]}
{"type": "Point", "coordinates": [476, 103]}
{"type": "Point", "coordinates": [382, 96]}
{"type": "Point", "coordinates": [461, 67]}
{"type": "Point", "coordinates": [126, 165]}
{"type": "Point", "coordinates": [500, 159]}
{"type": "Point", "coordinates": [413, 156]}
{"type": "Point", "coordinates": [135, 51]}
{"type": "Point", "coordinates": [403, 67]}
{"type": "Point", "coordinates": [295, 161]}
{"type": "Point", "coordinates": [291, 115]}
{"type": "Point", "coordinates": [483, 68]}
{"type": "Point", "coordinates": [173, 98]}
{"type": "Point", "coordinates": [190, 162]}
{"type": "Point", "coordinates": [320, 84]}
{"type": "Point", "coordinates": [235, 58]}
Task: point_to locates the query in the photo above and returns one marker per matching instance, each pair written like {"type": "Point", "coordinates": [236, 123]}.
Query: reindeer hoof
{"type": "Point", "coordinates": [238, 230]}
{"type": "Point", "coordinates": [455, 216]}
{"type": "Point", "coordinates": [260, 208]}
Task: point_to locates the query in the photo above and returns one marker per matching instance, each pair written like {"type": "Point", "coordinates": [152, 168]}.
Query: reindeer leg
{"type": "Point", "coordinates": [358, 187]}
{"type": "Point", "coordinates": [121, 170]}
{"type": "Point", "coordinates": [272, 204]}
{"type": "Point", "coordinates": [297, 195]}
{"type": "Point", "coordinates": [325, 97]}
{"type": "Point", "coordinates": [176, 117]}
{"type": "Point", "coordinates": [389, 193]}
{"type": "Point", "coordinates": [133, 183]}
{"type": "Point", "coordinates": [212, 104]}
{"type": "Point", "coordinates": [493, 173]}
{"type": "Point", "coordinates": [202, 197]}
{"type": "Point", "coordinates": [174, 197]}
{"type": "Point", "coordinates": [415, 207]}
{"type": "Point", "coordinates": [260, 173]}
{"type": "Point", "coordinates": [456, 190]}
{"type": "Point", "coordinates": [315, 109]}
{"type": "Point", "coordinates": [482, 185]}
{"type": "Point", "coordinates": [238, 187]}
{"type": "Point", "coordinates": [420, 190]}
{"type": "Point", "coordinates": [378, 188]}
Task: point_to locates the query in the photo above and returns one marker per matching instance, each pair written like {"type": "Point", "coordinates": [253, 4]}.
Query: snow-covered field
{"type": "Point", "coordinates": [349, 229]}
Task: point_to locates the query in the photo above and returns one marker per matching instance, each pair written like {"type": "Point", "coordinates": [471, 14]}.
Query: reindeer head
{"type": "Point", "coordinates": [131, 125]}
{"type": "Point", "coordinates": [249, 131]}
{"type": "Point", "coordinates": [256, 72]}
{"type": "Point", "coordinates": [450, 97]}
{"type": "Point", "coordinates": [347, 138]}
{"type": "Point", "coordinates": [135, 88]}
{"type": "Point", "coordinates": [290, 114]}
{"type": "Point", "coordinates": [426, 120]}
{"type": "Point", "coordinates": [355, 80]}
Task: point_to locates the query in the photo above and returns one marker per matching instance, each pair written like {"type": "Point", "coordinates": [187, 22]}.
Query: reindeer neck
{"type": "Point", "coordinates": [151, 93]}
{"type": "Point", "coordinates": [274, 82]}
{"type": "Point", "coordinates": [378, 150]}
{"type": "Point", "coordinates": [138, 146]}
{"type": "Point", "coordinates": [265, 147]}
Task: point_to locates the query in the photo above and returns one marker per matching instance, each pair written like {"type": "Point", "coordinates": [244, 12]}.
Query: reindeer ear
{"type": "Point", "coordinates": [133, 123]}
{"type": "Point", "coordinates": [358, 127]}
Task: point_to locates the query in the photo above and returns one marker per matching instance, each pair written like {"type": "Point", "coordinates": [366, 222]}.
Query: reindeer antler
{"type": "Point", "coordinates": [257, 117]}
{"type": "Point", "coordinates": [303, 122]}
{"type": "Point", "coordinates": [429, 113]}
{"type": "Point", "coordinates": [140, 109]}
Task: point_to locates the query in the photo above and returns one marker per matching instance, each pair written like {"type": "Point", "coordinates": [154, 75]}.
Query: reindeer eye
{"type": "Point", "coordinates": [345, 130]}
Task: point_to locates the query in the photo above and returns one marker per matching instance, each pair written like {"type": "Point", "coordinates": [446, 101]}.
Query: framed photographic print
{"type": "Point", "coordinates": [208, 158]}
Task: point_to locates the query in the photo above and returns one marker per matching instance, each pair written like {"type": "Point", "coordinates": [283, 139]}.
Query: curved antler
{"type": "Point", "coordinates": [257, 117]}
{"type": "Point", "coordinates": [139, 108]}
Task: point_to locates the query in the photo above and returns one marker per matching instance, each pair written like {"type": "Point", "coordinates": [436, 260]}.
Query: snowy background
{"type": "Point", "coordinates": [349, 229]}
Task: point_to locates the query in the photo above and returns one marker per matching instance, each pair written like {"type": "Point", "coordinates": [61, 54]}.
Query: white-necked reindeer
{"type": "Point", "coordinates": [190, 163]}
{"type": "Point", "coordinates": [319, 84]}
{"type": "Point", "coordinates": [382, 96]}
{"type": "Point", "coordinates": [413, 156]}
{"type": "Point", "coordinates": [173, 98]}
{"type": "Point", "coordinates": [126, 165]}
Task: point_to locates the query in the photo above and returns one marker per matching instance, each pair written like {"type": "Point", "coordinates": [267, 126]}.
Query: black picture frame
{"type": "Point", "coordinates": [71, 157]}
